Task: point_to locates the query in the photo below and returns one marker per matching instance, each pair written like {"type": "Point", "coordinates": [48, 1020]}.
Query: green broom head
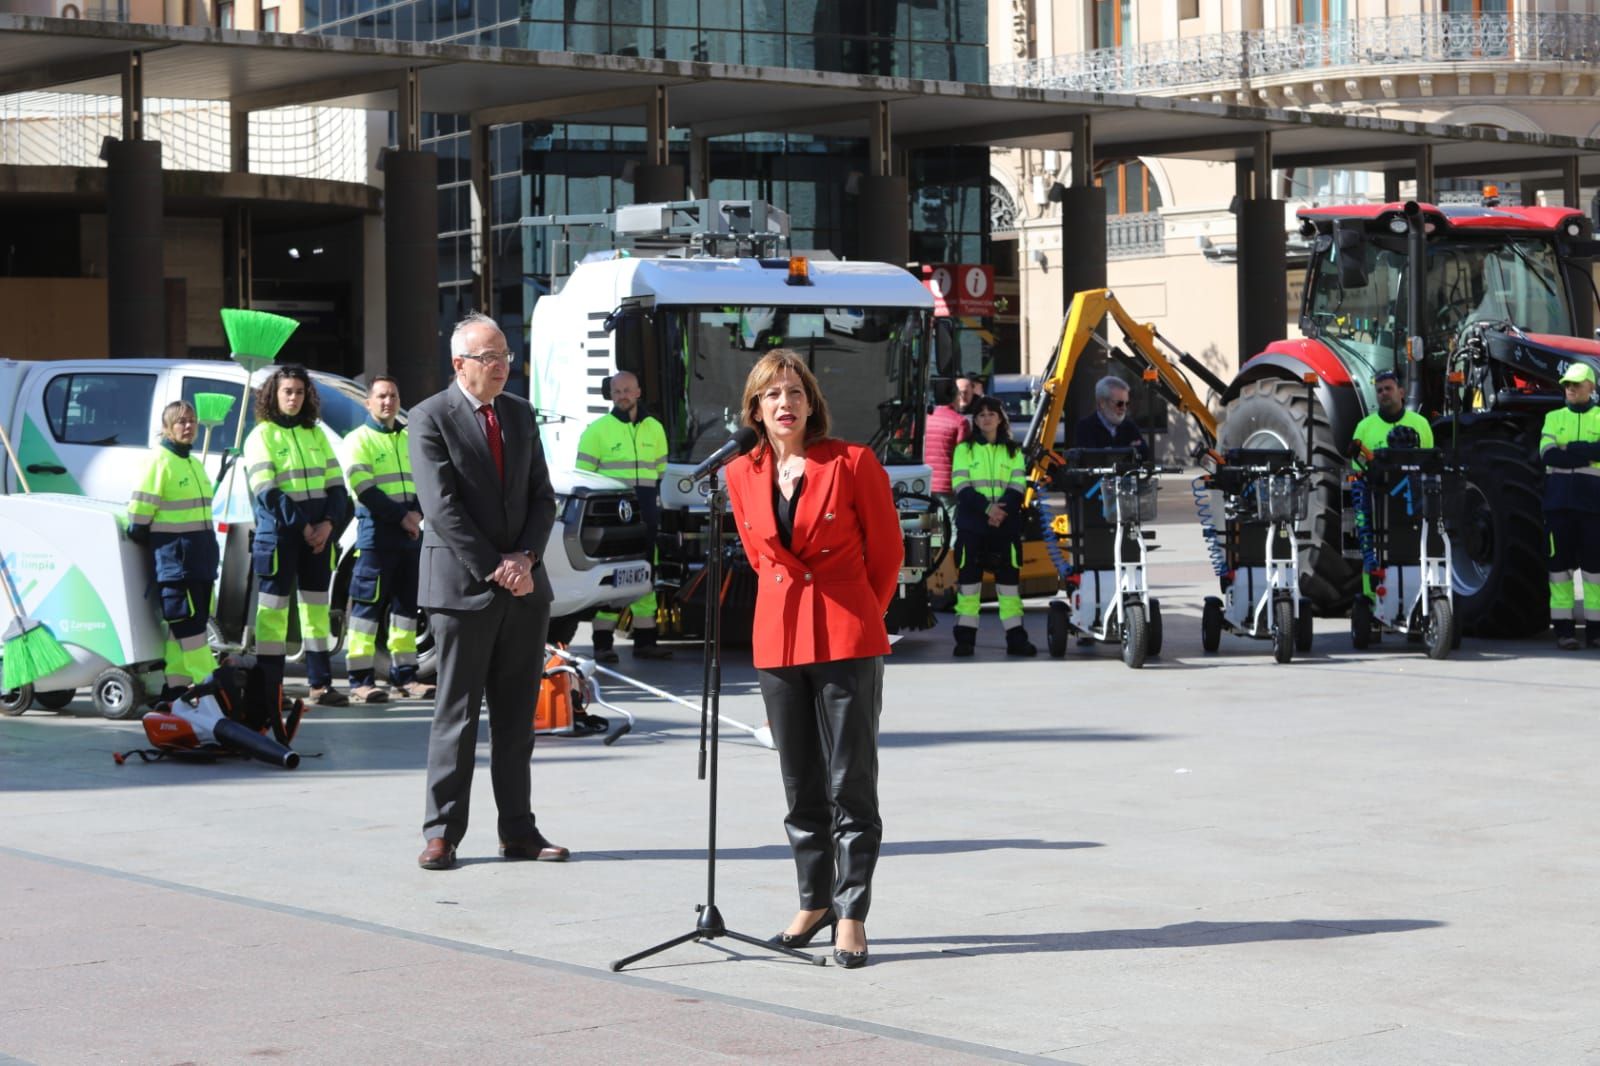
{"type": "Point", "coordinates": [256, 337]}
{"type": "Point", "coordinates": [211, 408]}
{"type": "Point", "coordinates": [31, 652]}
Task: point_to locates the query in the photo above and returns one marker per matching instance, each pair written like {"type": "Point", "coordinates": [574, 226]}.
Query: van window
{"type": "Point", "coordinates": [343, 409]}
{"type": "Point", "coordinates": [101, 409]}
{"type": "Point", "coordinates": [223, 435]}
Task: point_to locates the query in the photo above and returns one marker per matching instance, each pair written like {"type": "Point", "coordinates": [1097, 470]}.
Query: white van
{"type": "Point", "coordinates": [85, 427]}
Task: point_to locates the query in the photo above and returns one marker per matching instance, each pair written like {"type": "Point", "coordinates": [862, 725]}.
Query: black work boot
{"type": "Point", "coordinates": [1018, 644]}
{"type": "Point", "coordinates": [966, 641]}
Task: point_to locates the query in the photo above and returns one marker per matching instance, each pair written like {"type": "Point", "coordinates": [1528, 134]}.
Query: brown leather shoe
{"type": "Point", "coordinates": [369, 694]}
{"type": "Point", "coordinates": [534, 847]}
{"type": "Point", "coordinates": [416, 690]}
{"type": "Point", "coordinates": [438, 855]}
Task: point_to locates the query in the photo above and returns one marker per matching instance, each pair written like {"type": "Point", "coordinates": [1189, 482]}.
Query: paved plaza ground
{"type": "Point", "coordinates": [1354, 858]}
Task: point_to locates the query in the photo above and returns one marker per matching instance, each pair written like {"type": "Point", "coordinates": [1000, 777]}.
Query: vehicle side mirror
{"type": "Point", "coordinates": [1350, 252]}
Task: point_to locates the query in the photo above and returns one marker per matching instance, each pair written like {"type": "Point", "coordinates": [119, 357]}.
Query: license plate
{"type": "Point", "coordinates": [628, 576]}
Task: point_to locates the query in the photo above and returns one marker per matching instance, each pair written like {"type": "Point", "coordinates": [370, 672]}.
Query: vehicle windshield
{"type": "Point", "coordinates": [1504, 279]}
{"type": "Point", "coordinates": [871, 364]}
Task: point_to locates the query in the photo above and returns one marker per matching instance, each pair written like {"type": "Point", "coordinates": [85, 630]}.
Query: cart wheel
{"type": "Point", "coordinates": [117, 693]}
{"type": "Point", "coordinates": [1440, 632]}
{"type": "Point", "coordinates": [1283, 630]}
{"type": "Point", "coordinates": [1302, 628]}
{"type": "Point", "coordinates": [1056, 629]}
{"type": "Point", "coordinates": [55, 699]}
{"type": "Point", "coordinates": [1155, 626]}
{"type": "Point", "coordinates": [1361, 623]}
{"type": "Point", "coordinates": [16, 701]}
{"type": "Point", "coordinates": [1135, 635]}
{"type": "Point", "coordinates": [1211, 624]}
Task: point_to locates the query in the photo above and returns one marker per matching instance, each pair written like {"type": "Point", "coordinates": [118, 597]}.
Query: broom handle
{"type": "Point", "coordinates": [11, 594]}
{"type": "Point", "coordinates": [15, 464]}
{"type": "Point", "coordinates": [244, 411]}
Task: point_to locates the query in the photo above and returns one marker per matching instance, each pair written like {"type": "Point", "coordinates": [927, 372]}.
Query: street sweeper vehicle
{"type": "Point", "coordinates": [687, 296]}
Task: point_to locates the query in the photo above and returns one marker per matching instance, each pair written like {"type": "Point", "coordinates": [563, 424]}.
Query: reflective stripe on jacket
{"type": "Point", "coordinates": [173, 503]}
{"type": "Point", "coordinates": [378, 470]}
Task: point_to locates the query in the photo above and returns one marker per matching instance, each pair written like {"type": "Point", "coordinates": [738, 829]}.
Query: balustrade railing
{"type": "Point", "coordinates": [1235, 58]}
{"type": "Point", "coordinates": [1134, 236]}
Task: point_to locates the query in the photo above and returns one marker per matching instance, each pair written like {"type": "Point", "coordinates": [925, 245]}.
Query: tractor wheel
{"type": "Point", "coordinates": [1211, 624]}
{"type": "Point", "coordinates": [1276, 413]}
{"type": "Point", "coordinates": [1439, 633]}
{"type": "Point", "coordinates": [1498, 543]}
{"type": "Point", "coordinates": [1135, 635]}
{"type": "Point", "coordinates": [1361, 623]}
{"type": "Point", "coordinates": [1303, 632]}
{"type": "Point", "coordinates": [1283, 630]}
{"type": "Point", "coordinates": [1155, 627]}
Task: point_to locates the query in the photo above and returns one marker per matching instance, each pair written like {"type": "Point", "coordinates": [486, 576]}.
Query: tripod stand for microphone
{"type": "Point", "coordinates": [710, 926]}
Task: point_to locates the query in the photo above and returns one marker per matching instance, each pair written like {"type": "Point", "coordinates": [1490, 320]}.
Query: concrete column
{"type": "Point", "coordinates": [135, 295]}
{"type": "Point", "coordinates": [1262, 277]}
{"type": "Point", "coordinates": [239, 260]}
{"type": "Point", "coordinates": [411, 268]}
{"type": "Point", "coordinates": [1083, 266]}
{"type": "Point", "coordinates": [1425, 174]}
{"type": "Point", "coordinates": [885, 217]}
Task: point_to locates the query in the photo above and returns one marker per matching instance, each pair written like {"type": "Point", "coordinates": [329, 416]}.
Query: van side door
{"type": "Point", "coordinates": [86, 430]}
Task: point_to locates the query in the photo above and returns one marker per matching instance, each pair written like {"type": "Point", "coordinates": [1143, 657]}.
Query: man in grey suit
{"type": "Point", "coordinates": [488, 509]}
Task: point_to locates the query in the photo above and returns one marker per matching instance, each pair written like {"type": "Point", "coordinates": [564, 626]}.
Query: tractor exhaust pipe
{"type": "Point", "coordinates": [1417, 286]}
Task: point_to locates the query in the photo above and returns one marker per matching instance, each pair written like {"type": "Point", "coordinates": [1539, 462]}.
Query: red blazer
{"type": "Point", "coordinates": [824, 599]}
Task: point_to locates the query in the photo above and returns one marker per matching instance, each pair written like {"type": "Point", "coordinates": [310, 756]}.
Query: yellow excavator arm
{"type": "Point", "coordinates": [1147, 358]}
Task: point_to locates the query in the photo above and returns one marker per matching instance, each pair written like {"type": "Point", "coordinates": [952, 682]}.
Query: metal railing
{"type": "Point", "coordinates": [1135, 236]}
{"type": "Point", "coordinates": [64, 129]}
{"type": "Point", "coordinates": [1237, 57]}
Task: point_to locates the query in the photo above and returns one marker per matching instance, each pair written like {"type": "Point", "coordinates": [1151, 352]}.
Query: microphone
{"type": "Point", "coordinates": [744, 438]}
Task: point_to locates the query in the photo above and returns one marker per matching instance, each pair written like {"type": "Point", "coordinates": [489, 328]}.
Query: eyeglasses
{"type": "Point", "coordinates": [181, 421]}
{"type": "Point", "coordinates": [1119, 404]}
{"type": "Point", "coordinates": [490, 358]}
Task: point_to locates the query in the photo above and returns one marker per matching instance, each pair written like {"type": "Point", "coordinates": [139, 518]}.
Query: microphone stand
{"type": "Point", "coordinates": [710, 926]}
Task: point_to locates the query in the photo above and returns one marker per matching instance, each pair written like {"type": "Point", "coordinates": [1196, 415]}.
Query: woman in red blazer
{"type": "Point", "coordinates": [819, 526]}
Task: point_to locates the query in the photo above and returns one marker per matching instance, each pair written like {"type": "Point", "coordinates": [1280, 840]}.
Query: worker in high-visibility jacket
{"type": "Point", "coordinates": [301, 506]}
{"type": "Point", "coordinates": [988, 476]}
{"type": "Point", "coordinates": [631, 446]}
{"type": "Point", "coordinates": [170, 514]}
{"type": "Point", "coordinates": [1569, 447]}
{"type": "Point", "coordinates": [388, 550]}
{"type": "Point", "coordinates": [1390, 426]}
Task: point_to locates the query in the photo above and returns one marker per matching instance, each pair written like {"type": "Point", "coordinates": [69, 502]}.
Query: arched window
{"type": "Point", "coordinates": [1130, 188]}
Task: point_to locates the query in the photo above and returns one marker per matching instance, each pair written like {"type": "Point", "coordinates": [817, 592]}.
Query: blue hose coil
{"type": "Point", "coordinates": [1359, 500]}
{"type": "Point", "coordinates": [1052, 543]}
{"type": "Point", "coordinates": [1208, 527]}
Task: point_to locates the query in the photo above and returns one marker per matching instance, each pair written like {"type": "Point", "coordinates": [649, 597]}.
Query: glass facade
{"type": "Point", "coordinates": [540, 168]}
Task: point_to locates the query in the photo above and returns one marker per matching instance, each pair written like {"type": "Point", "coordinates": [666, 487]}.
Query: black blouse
{"type": "Point", "coordinates": [783, 511]}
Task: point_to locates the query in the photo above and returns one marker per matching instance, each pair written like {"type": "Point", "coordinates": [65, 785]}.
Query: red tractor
{"type": "Point", "coordinates": [1479, 309]}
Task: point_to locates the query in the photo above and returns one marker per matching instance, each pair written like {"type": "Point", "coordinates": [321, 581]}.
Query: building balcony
{"type": "Point", "coordinates": [1239, 61]}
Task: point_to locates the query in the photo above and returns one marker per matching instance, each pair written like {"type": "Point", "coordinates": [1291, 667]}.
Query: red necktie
{"type": "Point", "coordinates": [496, 445]}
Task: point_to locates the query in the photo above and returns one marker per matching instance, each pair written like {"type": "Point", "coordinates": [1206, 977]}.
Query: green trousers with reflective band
{"type": "Point", "coordinates": [298, 572]}
{"type": "Point", "coordinates": [378, 580]}
{"type": "Point", "coordinates": [186, 608]}
{"type": "Point", "coordinates": [1005, 565]}
{"type": "Point", "coordinates": [1574, 548]}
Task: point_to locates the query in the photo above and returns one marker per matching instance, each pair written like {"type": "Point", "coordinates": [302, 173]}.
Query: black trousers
{"type": "Point", "coordinates": [824, 719]}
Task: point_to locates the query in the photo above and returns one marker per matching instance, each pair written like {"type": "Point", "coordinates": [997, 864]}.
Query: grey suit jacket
{"type": "Point", "coordinates": [469, 518]}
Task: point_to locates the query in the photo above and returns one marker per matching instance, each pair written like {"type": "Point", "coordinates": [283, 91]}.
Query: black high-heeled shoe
{"type": "Point", "coordinates": [799, 940]}
{"type": "Point", "coordinates": [850, 960]}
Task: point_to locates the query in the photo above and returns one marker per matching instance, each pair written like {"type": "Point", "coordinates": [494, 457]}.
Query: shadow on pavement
{"type": "Point", "coordinates": [1184, 935]}
{"type": "Point", "coordinates": [890, 848]}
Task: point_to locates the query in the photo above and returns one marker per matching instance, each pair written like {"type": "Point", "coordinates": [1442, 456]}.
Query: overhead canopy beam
{"type": "Point", "coordinates": [316, 92]}
{"type": "Point", "coordinates": [788, 120]}
{"type": "Point", "coordinates": [566, 107]}
{"type": "Point", "coordinates": [69, 72]}
{"type": "Point", "coordinates": [996, 133]}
